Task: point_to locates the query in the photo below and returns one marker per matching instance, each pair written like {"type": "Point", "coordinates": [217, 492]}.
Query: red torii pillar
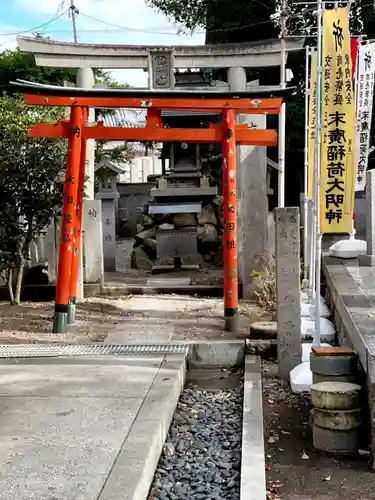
{"type": "Point", "coordinates": [68, 222]}
{"type": "Point", "coordinates": [230, 220]}
{"type": "Point", "coordinates": [77, 235]}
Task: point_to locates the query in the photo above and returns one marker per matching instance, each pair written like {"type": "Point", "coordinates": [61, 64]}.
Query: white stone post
{"type": "Point", "coordinates": [92, 236]}
{"type": "Point", "coordinates": [288, 303]}
{"type": "Point", "coordinates": [369, 258]}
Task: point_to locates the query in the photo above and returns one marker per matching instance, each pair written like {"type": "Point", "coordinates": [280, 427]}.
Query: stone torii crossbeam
{"type": "Point", "coordinates": [77, 131]}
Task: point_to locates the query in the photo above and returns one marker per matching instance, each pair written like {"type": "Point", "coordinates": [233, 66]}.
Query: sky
{"type": "Point", "coordinates": [128, 22]}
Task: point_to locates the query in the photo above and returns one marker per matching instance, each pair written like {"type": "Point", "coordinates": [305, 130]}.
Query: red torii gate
{"type": "Point", "coordinates": [77, 131]}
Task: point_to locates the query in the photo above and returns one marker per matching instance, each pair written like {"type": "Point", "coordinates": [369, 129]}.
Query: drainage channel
{"type": "Point", "coordinates": [201, 457]}
{"type": "Point", "coordinates": [56, 350]}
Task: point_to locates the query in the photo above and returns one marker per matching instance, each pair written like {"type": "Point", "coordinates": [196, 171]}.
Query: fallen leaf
{"type": "Point", "coordinates": [271, 440]}
{"type": "Point", "coordinates": [268, 455]}
{"type": "Point", "coordinates": [328, 478]}
{"type": "Point", "coordinates": [165, 378]}
{"type": "Point", "coordinates": [281, 449]}
{"type": "Point", "coordinates": [371, 315]}
{"type": "Point", "coordinates": [364, 452]}
{"type": "Point", "coordinates": [304, 456]}
{"type": "Point", "coordinates": [268, 467]}
{"type": "Point", "coordinates": [284, 432]}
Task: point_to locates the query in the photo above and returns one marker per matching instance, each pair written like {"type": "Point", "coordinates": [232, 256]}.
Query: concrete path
{"type": "Point", "coordinates": [165, 318]}
{"type": "Point", "coordinates": [84, 428]}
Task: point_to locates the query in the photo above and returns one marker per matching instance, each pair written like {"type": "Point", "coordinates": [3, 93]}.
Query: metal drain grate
{"type": "Point", "coordinates": [52, 350]}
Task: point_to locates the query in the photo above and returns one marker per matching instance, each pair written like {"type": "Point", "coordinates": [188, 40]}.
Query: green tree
{"type": "Point", "coordinates": [15, 64]}
{"type": "Point", "coordinates": [226, 21]}
{"type": "Point", "coordinates": [31, 180]}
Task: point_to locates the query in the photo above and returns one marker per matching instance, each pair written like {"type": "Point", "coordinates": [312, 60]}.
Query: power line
{"type": "Point", "coordinates": [36, 28]}
{"type": "Point", "coordinates": [59, 8]}
{"type": "Point", "coordinates": [138, 30]}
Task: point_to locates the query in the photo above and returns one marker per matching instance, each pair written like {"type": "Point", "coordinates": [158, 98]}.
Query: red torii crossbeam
{"type": "Point", "coordinates": [77, 131]}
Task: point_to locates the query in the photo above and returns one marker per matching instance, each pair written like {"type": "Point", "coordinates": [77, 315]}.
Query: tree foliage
{"type": "Point", "coordinates": [15, 64]}
{"type": "Point", "coordinates": [31, 180]}
{"type": "Point", "coordinates": [226, 21]}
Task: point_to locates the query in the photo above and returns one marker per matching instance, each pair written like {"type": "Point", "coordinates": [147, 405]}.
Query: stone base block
{"type": "Point", "coordinates": [318, 378]}
{"type": "Point", "coordinates": [334, 365]}
{"type": "Point", "coordinates": [335, 395]}
{"type": "Point", "coordinates": [336, 442]}
{"type": "Point", "coordinates": [366, 260]}
{"type": "Point", "coordinates": [260, 330]}
{"type": "Point", "coordinates": [343, 420]}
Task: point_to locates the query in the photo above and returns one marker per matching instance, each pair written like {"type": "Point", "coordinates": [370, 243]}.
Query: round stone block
{"type": "Point", "coordinates": [334, 365]}
{"type": "Point", "coordinates": [337, 420]}
{"type": "Point", "coordinates": [317, 378]}
{"type": "Point", "coordinates": [335, 395]}
{"type": "Point", "coordinates": [335, 442]}
{"type": "Point", "coordinates": [263, 330]}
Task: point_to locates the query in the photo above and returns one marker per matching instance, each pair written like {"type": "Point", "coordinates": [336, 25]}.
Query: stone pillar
{"type": "Point", "coordinates": [92, 241]}
{"type": "Point", "coordinates": [109, 195]}
{"type": "Point", "coordinates": [369, 258]}
{"type": "Point", "coordinates": [86, 79]}
{"type": "Point", "coordinates": [147, 167]}
{"type": "Point", "coordinates": [52, 248]}
{"type": "Point", "coordinates": [288, 284]}
{"type": "Point", "coordinates": [252, 204]}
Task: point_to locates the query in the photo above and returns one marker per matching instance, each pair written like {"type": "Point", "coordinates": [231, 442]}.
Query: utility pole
{"type": "Point", "coordinates": [282, 116]}
{"type": "Point", "coordinates": [73, 12]}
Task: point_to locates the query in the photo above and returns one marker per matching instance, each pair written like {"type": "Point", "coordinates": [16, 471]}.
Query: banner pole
{"type": "Point", "coordinates": [306, 229]}
{"type": "Point", "coordinates": [352, 235]}
{"type": "Point", "coordinates": [313, 195]}
{"type": "Point", "coordinates": [317, 165]}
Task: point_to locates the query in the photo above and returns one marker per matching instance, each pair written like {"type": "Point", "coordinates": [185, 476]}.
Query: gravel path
{"type": "Point", "coordinates": [202, 454]}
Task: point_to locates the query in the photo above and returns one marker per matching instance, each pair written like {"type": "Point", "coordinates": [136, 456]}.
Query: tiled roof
{"type": "Point", "coordinates": [127, 117]}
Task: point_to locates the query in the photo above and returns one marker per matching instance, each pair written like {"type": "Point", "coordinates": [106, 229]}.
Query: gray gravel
{"type": "Point", "coordinates": [201, 458]}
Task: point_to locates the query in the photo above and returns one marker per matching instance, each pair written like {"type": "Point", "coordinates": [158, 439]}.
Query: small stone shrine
{"type": "Point", "coordinates": [181, 225]}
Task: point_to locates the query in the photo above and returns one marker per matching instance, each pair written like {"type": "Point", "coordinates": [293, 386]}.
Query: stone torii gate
{"type": "Point", "coordinates": [78, 131]}
{"type": "Point", "coordinates": [238, 60]}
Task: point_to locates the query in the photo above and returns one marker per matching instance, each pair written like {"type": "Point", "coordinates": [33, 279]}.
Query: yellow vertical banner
{"type": "Point", "coordinates": [312, 125]}
{"type": "Point", "coordinates": [338, 125]}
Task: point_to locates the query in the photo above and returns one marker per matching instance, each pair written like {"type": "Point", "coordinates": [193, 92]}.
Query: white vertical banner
{"type": "Point", "coordinates": [365, 92]}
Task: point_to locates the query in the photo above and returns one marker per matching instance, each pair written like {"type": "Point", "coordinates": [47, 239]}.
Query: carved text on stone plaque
{"type": "Point", "coordinates": [162, 70]}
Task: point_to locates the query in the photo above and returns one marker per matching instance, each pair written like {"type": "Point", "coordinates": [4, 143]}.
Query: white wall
{"type": "Point", "coordinates": [140, 168]}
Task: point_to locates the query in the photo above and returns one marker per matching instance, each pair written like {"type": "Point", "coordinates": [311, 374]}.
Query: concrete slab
{"type": "Point", "coordinates": [217, 354]}
{"type": "Point", "coordinates": [253, 467]}
{"type": "Point", "coordinates": [149, 319]}
{"type": "Point", "coordinates": [166, 318]}
{"type": "Point", "coordinates": [66, 427]}
{"type": "Point", "coordinates": [135, 466]}
{"type": "Point", "coordinates": [156, 282]}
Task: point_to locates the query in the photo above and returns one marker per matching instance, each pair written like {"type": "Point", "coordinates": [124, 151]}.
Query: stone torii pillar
{"type": "Point", "coordinates": [86, 79]}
